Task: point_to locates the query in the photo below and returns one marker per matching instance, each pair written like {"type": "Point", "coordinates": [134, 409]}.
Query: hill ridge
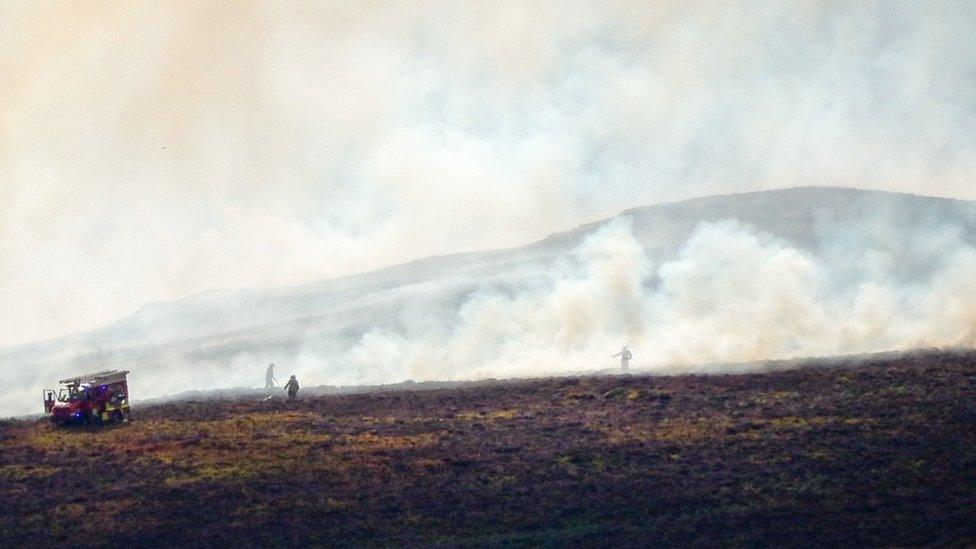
{"type": "Point", "coordinates": [217, 336]}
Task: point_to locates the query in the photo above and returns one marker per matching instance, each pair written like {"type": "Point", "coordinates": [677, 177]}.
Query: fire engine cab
{"type": "Point", "coordinates": [96, 397]}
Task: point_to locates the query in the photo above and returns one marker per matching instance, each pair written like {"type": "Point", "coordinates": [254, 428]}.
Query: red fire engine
{"type": "Point", "coordinates": [96, 397]}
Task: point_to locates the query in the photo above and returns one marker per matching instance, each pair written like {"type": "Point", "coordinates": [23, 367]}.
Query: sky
{"type": "Point", "coordinates": [153, 150]}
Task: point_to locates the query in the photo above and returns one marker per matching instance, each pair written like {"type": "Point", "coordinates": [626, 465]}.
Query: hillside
{"type": "Point", "coordinates": [855, 452]}
{"type": "Point", "coordinates": [420, 320]}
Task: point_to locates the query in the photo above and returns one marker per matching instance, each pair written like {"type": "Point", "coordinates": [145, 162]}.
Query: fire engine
{"type": "Point", "coordinates": [97, 397]}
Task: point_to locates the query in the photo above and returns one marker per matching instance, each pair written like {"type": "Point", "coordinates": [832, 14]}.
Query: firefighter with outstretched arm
{"type": "Point", "coordinates": [625, 356]}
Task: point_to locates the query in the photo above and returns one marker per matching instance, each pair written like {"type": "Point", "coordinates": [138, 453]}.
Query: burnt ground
{"type": "Point", "coordinates": [880, 451]}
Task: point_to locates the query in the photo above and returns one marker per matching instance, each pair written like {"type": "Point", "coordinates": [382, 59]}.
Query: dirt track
{"type": "Point", "coordinates": [879, 453]}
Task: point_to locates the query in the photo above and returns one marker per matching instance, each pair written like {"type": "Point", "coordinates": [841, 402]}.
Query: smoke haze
{"type": "Point", "coordinates": [688, 286]}
{"type": "Point", "coordinates": [150, 151]}
{"type": "Point", "coordinates": [733, 294]}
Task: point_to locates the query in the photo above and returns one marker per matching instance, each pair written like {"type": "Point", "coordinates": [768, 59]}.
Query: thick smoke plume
{"type": "Point", "coordinates": [726, 293]}
{"type": "Point", "coordinates": [733, 294]}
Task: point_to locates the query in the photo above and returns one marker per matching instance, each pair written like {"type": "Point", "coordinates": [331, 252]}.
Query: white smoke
{"type": "Point", "coordinates": [733, 294]}
{"type": "Point", "coordinates": [153, 150]}
{"type": "Point", "coordinates": [729, 294]}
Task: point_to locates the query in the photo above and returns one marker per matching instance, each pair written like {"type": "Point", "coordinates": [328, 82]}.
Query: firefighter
{"type": "Point", "coordinates": [625, 356]}
{"type": "Point", "coordinates": [292, 387]}
{"type": "Point", "coordinates": [269, 377]}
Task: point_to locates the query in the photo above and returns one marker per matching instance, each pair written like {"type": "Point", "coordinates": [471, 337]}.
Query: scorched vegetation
{"type": "Point", "coordinates": [879, 451]}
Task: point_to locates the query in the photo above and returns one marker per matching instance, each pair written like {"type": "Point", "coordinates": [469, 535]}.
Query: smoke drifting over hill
{"type": "Point", "coordinates": [801, 272]}
{"type": "Point", "coordinates": [150, 151]}
{"type": "Point", "coordinates": [733, 294]}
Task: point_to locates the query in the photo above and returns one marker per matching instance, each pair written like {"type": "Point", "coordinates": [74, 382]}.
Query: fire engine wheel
{"type": "Point", "coordinates": [118, 416]}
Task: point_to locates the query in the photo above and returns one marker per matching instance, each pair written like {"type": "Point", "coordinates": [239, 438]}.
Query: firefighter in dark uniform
{"type": "Point", "coordinates": [292, 387]}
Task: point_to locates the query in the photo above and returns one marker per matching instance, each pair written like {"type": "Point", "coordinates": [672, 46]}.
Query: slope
{"type": "Point", "coordinates": [850, 452]}
{"type": "Point", "coordinates": [224, 338]}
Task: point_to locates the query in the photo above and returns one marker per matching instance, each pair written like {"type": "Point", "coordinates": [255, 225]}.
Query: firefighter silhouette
{"type": "Point", "coordinates": [292, 387]}
{"type": "Point", "coordinates": [269, 377]}
{"type": "Point", "coordinates": [625, 356]}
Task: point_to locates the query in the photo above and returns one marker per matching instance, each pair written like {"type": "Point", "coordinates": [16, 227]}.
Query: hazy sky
{"type": "Point", "coordinates": [152, 150]}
